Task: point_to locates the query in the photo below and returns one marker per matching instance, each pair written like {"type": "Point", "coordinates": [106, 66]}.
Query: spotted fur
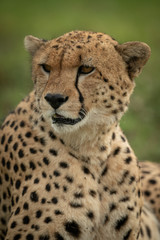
{"type": "Point", "coordinates": [66, 169]}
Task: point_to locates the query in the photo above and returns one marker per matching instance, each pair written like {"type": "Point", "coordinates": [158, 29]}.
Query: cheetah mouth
{"type": "Point", "coordinates": [59, 119]}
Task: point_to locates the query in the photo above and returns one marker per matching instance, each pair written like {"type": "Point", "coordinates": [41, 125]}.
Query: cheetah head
{"type": "Point", "coordinates": [84, 77]}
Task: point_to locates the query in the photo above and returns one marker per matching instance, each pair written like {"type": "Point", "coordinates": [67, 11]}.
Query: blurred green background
{"type": "Point", "coordinates": [124, 20]}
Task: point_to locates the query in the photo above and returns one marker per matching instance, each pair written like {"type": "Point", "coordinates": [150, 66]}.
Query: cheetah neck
{"type": "Point", "coordinates": [90, 142]}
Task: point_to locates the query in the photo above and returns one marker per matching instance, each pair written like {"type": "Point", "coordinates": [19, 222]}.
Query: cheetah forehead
{"type": "Point", "coordinates": [85, 37]}
{"type": "Point", "coordinates": [75, 40]}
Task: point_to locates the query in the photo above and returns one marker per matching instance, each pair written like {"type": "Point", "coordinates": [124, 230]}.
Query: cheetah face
{"type": "Point", "coordinates": [84, 77]}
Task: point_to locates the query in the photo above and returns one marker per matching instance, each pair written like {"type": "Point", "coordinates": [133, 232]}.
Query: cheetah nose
{"type": "Point", "coordinates": [55, 100]}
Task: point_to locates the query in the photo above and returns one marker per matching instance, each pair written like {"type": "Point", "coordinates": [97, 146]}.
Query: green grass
{"type": "Point", "coordinates": [123, 19]}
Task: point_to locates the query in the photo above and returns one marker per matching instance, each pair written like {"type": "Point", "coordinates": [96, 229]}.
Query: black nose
{"type": "Point", "coordinates": [55, 100]}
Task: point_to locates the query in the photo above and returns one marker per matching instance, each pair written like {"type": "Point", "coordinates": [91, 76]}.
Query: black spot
{"type": "Point", "coordinates": [128, 160]}
{"type": "Point", "coordinates": [16, 168]}
{"type": "Point", "coordinates": [106, 219]}
{"type": "Point", "coordinates": [123, 139]}
{"type": "Point", "coordinates": [26, 220]}
{"type": "Point", "coordinates": [36, 180]}
{"type": "Point", "coordinates": [3, 139]}
{"type": "Point", "coordinates": [25, 206]}
{"type": "Point", "coordinates": [10, 139]}
{"type": "Point", "coordinates": [17, 211]}
{"type": "Point", "coordinates": [112, 207]}
{"type": "Point", "coordinates": [4, 208]}
{"type": "Point", "coordinates": [53, 152]}
{"type": "Point", "coordinates": [3, 161]}
{"type": "Point", "coordinates": [28, 134]}
{"type": "Point", "coordinates": [51, 135]}
{"type": "Point", "coordinates": [78, 195]}
{"type": "Point", "coordinates": [69, 179]}
{"type": "Point", "coordinates": [46, 160]}
{"type": "Point", "coordinates": [147, 193]}
{"type": "Point", "coordinates": [13, 224]}
{"type": "Point", "coordinates": [6, 177]}
{"type": "Point", "coordinates": [132, 179]}
{"type": "Point", "coordinates": [43, 200]}
{"type": "Point", "coordinates": [141, 232]}
{"type": "Point", "coordinates": [38, 214]}
{"type": "Point", "coordinates": [126, 236]}
{"type": "Point", "coordinates": [125, 174]}
{"type": "Point", "coordinates": [17, 237]}
{"type": "Point", "coordinates": [104, 171]}
{"type": "Point", "coordinates": [65, 188]}
{"type": "Point", "coordinates": [113, 136]}
{"type": "Point", "coordinates": [15, 146]}
{"type": "Point", "coordinates": [6, 148]}
{"type": "Point", "coordinates": [130, 208]}
{"type": "Point", "coordinates": [139, 193]}
{"type": "Point", "coordinates": [12, 124]}
{"type": "Point", "coordinates": [63, 165]}
{"type": "Point", "coordinates": [28, 177]}
{"type": "Point", "coordinates": [116, 151]}
{"type": "Point", "coordinates": [148, 231]}
{"type": "Point", "coordinates": [36, 139]}
{"type": "Point", "coordinates": [44, 237]}
{"type": "Point", "coordinates": [113, 192]}
{"type": "Point", "coordinates": [48, 220]}
{"type": "Point", "coordinates": [111, 87]}
{"type": "Point", "coordinates": [48, 187]}
{"type": "Point", "coordinates": [42, 141]}
{"type": "Point", "coordinates": [23, 167]}
{"type": "Point", "coordinates": [33, 151]}
{"type": "Point", "coordinates": [42, 128]}
{"type": "Point", "coordinates": [92, 193]}
{"type": "Point", "coordinates": [115, 111]}
{"type": "Point", "coordinates": [121, 222]}
{"type": "Point", "coordinates": [103, 148]}
{"type": "Point", "coordinates": [32, 165]}
{"type": "Point", "coordinates": [56, 185]}
{"type": "Point", "coordinates": [56, 173]}
{"type": "Point", "coordinates": [112, 97]}
{"type": "Point", "coordinates": [73, 228]}
{"type": "Point", "coordinates": [90, 215]}
{"type": "Point", "coordinates": [34, 196]}
{"type": "Point", "coordinates": [58, 212]}
{"type": "Point", "coordinates": [85, 170]}
{"type": "Point", "coordinates": [18, 184]}
{"type": "Point", "coordinates": [0, 180]}
{"type": "Point", "coordinates": [21, 153]}
{"type": "Point", "coordinates": [44, 175]}
{"type": "Point", "coordinates": [105, 80]}
{"type": "Point", "coordinates": [22, 124]}
{"type": "Point", "coordinates": [29, 237]}
{"type": "Point", "coordinates": [152, 181]}
{"type": "Point", "coordinates": [54, 200]}
{"type": "Point", "coordinates": [124, 199]}
{"type": "Point", "coordinates": [58, 236]}
{"type": "Point", "coordinates": [75, 205]}
{"type": "Point", "coordinates": [152, 201]}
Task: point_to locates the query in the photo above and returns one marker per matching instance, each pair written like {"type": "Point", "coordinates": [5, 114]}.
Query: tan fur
{"type": "Point", "coordinates": [78, 179]}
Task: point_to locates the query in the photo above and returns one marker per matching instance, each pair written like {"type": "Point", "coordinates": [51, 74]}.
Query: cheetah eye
{"type": "Point", "coordinates": [85, 69]}
{"type": "Point", "coordinates": [46, 68]}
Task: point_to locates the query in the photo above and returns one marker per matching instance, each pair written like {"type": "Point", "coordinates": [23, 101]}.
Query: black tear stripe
{"type": "Point", "coordinates": [81, 98]}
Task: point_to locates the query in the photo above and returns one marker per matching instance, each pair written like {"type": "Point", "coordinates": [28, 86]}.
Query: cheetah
{"type": "Point", "coordinates": [66, 169]}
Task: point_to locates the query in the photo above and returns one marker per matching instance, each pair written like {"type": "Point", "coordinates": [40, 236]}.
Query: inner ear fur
{"type": "Point", "coordinates": [32, 44]}
{"type": "Point", "coordinates": [135, 55]}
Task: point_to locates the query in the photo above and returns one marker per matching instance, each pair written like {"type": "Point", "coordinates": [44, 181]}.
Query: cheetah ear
{"type": "Point", "coordinates": [32, 44]}
{"type": "Point", "coordinates": [135, 54]}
